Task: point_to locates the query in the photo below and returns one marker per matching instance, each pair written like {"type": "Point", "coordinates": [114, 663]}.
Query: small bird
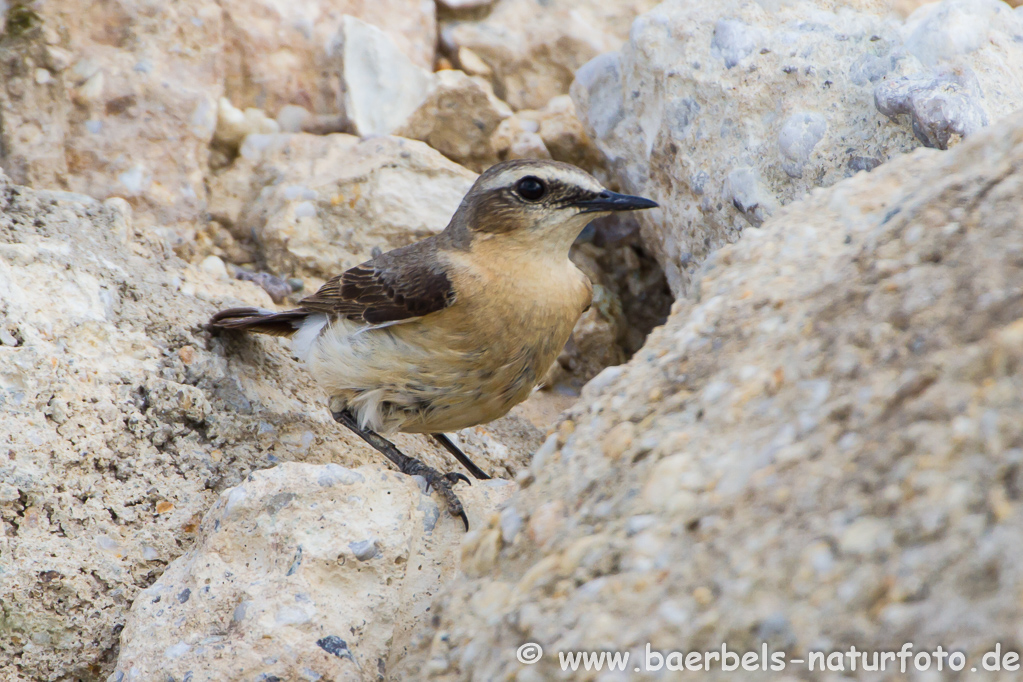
{"type": "Point", "coordinates": [454, 330]}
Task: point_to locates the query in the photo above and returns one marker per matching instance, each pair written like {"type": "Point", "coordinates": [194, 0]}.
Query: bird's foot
{"type": "Point", "coordinates": [442, 483]}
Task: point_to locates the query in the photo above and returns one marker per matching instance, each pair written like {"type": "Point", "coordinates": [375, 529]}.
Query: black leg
{"type": "Point", "coordinates": [460, 456]}
{"type": "Point", "coordinates": [407, 465]}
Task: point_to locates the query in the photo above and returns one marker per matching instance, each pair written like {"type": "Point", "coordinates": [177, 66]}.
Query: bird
{"type": "Point", "coordinates": [454, 330]}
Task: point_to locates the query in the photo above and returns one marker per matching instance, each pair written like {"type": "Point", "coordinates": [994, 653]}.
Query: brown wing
{"type": "Point", "coordinates": [398, 285]}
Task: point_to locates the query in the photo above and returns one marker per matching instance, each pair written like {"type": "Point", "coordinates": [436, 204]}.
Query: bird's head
{"type": "Point", "coordinates": [537, 204]}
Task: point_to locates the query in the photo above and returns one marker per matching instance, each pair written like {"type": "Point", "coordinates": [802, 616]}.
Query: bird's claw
{"type": "Point", "coordinates": [442, 483]}
{"type": "Point", "coordinates": [455, 477]}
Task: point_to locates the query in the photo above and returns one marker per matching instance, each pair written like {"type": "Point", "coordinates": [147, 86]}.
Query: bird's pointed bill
{"type": "Point", "coordinates": [612, 201]}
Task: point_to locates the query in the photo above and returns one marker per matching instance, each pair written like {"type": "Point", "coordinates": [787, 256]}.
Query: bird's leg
{"type": "Point", "coordinates": [460, 456]}
{"type": "Point", "coordinates": [408, 465]}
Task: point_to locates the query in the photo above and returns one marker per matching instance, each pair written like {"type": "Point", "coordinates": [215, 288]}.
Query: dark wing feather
{"type": "Point", "coordinates": [398, 285]}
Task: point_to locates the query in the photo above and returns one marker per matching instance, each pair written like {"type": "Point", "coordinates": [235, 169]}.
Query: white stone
{"type": "Point", "coordinates": [380, 85]}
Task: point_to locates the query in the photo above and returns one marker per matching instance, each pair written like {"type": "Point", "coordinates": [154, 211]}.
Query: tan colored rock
{"type": "Point", "coordinates": [554, 132]}
{"type": "Point", "coordinates": [565, 137]}
{"type": "Point", "coordinates": [280, 53]}
{"type": "Point", "coordinates": [33, 112]}
{"type": "Point", "coordinates": [533, 49]}
{"type": "Point", "coordinates": [121, 420]}
{"type": "Point", "coordinates": [318, 205]}
{"type": "Point", "coordinates": [725, 111]}
{"type": "Point", "coordinates": [102, 88]}
{"type": "Point", "coordinates": [234, 125]}
{"type": "Point", "coordinates": [458, 118]}
{"type": "Point", "coordinates": [313, 568]}
{"type": "Point", "coordinates": [826, 447]}
{"type": "Point", "coordinates": [518, 137]}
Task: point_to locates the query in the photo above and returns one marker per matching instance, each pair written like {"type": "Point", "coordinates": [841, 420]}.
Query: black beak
{"type": "Point", "coordinates": [612, 201]}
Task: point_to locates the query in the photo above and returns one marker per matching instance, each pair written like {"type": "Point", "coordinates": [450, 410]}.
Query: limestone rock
{"type": "Point", "coordinates": [279, 53]}
{"type": "Point", "coordinates": [821, 449]}
{"type": "Point", "coordinates": [314, 569]}
{"type": "Point", "coordinates": [458, 118]}
{"type": "Point", "coordinates": [318, 205]}
{"type": "Point", "coordinates": [380, 86]}
{"type": "Point", "coordinates": [95, 92]}
{"type": "Point", "coordinates": [121, 420]}
{"type": "Point", "coordinates": [234, 125]}
{"type": "Point", "coordinates": [554, 132]}
{"type": "Point", "coordinates": [518, 137]}
{"type": "Point", "coordinates": [725, 111]}
{"type": "Point", "coordinates": [533, 48]}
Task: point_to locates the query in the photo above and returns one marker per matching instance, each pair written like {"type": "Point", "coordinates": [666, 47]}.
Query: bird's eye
{"type": "Point", "coordinates": [530, 188]}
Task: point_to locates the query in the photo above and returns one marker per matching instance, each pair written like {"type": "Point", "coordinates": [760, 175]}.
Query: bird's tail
{"type": "Point", "coordinates": [259, 320]}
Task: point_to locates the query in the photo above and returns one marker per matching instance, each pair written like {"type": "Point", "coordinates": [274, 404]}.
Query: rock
{"type": "Point", "coordinates": [458, 118]}
{"type": "Point", "coordinates": [122, 81]}
{"type": "Point", "coordinates": [380, 86]}
{"type": "Point", "coordinates": [234, 125]}
{"type": "Point", "coordinates": [823, 449]}
{"type": "Point", "coordinates": [122, 419]}
{"type": "Point", "coordinates": [518, 137]}
{"type": "Point", "coordinates": [278, 54]}
{"type": "Point", "coordinates": [553, 132]}
{"type": "Point", "coordinates": [313, 568]}
{"type": "Point", "coordinates": [725, 111]}
{"type": "Point", "coordinates": [533, 48]}
{"type": "Point", "coordinates": [565, 137]}
{"type": "Point", "coordinates": [317, 205]}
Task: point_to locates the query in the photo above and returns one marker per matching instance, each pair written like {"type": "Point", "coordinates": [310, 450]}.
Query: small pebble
{"type": "Point", "coordinates": [213, 265]}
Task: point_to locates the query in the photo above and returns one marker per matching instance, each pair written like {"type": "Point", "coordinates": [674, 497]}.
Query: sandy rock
{"type": "Point", "coordinates": [554, 132]}
{"type": "Point", "coordinates": [33, 111]}
{"type": "Point", "coordinates": [825, 452]}
{"type": "Point", "coordinates": [320, 204]}
{"type": "Point", "coordinates": [565, 136]}
{"type": "Point", "coordinates": [725, 111]}
{"type": "Point", "coordinates": [94, 92]}
{"type": "Point", "coordinates": [518, 137]}
{"type": "Point", "coordinates": [234, 125]}
{"type": "Point", "coordinates": [380, 86]}
{"type": "Point", "coordinates": [533, 48]}
{"type": "Point", "coordinates": [458, 118]}
{"type": "Point", "coordinates": [312, 568]}
{"type": "Point", "coordinates": [121, 420]}
{"type": "Point", "coordinates": [278, 53]}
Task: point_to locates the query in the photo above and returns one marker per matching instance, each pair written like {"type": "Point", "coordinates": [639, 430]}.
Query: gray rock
{"type": "Point", "coordinates": [723, 111]}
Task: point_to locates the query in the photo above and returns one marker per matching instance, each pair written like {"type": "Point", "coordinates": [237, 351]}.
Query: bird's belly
{"type": "Point", "coordinates": [420, 378]}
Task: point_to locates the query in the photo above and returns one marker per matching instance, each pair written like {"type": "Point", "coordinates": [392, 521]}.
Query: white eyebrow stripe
{"type": "Point", "coordinates": [578, 178]}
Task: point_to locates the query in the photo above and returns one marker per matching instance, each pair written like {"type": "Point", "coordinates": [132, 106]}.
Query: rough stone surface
{"type": "Point", "coordinates": [279, 52]}
{"type": "Point", "coordinates": [725, 110]}
{"type": "Point", "coordinates": [380, 86]}
{"type": "Point", "coordinates": [113, 99]}
{"type": "Point", "coordinates": [121, 420]}
{"type": "Point", "coordinates": [821, 449]}
{"type": "Point", "coordinates": [458, 118]}
{"type": "Point", "coordinates": [533, 48]}
{"type": "Point", "coordinates": [317, 205]}
{"type": "Point", "coordinates": [301, 572]}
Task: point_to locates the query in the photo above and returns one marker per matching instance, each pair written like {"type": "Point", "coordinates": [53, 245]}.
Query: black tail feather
{"type": "Point", "coordinates": [259, 321]}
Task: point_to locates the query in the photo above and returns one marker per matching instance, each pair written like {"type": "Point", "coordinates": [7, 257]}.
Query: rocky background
{"type": "Point", "coordinates": [820, 447]}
